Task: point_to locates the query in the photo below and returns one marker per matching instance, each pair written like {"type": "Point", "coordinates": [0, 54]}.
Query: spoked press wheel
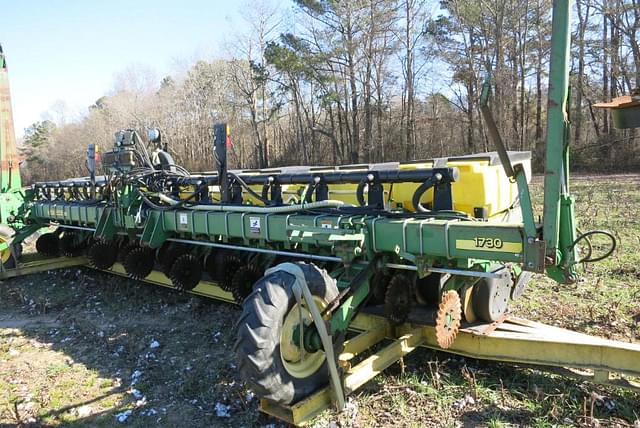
{"type": "Point", "coordinates": [448, 319]}
{"type": "Point", "coordinates": [269, 358]}
{"type": "Point", "coordinates": [8, 255]}
{"type": "Point", "coordinates": [102, 254]}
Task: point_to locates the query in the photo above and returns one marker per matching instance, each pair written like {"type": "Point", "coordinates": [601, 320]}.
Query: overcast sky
{"type": "Point", "coordinates": [71, 50]}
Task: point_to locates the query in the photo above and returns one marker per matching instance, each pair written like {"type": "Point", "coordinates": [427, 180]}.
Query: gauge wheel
{"type": "Point", "coordinates": [490, 297]}
{"type": "Point", "coordinates": [269, 358]}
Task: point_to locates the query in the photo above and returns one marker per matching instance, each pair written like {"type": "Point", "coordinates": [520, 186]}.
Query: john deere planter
{"type": "Point", "coordinates": [419, 252]}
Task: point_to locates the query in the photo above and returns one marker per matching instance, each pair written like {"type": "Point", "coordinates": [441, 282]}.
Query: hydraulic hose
{"type": "Point", "coordinates": [249, 190]}
{"type": "Point", "coordinates": [260, 210]}
{"type": "Point", "coordinates": [585, 236]}
{"type": "Point", "coordinates": [360, 192]}
{"type": "Point", "coordinates": [417, 195]}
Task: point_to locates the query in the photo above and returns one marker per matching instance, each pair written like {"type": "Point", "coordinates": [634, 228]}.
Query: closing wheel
{"type": "Point", "coordinates": [48, 244]}
{"type": "Point", "coordinates": [102, 254]}
{"type": "Point", "coordinates": [243, 280]}
{"type": "Point", "coordinates": [229, 264]}
{"type": "Point", "coordinates": [139, 262]}
{"type": "Point", "coordinates": [269, 357]}
{"type": "Point", "coordinates": [168, 254]}
{"type": "Point", "coordinates": [72, 244]}
{"type": "Point", "coordinates": [7, 255]}
{"type": "Point", "coordinates": [379, 284]}
{"type": "Point", "coordinates": [398, 301]}
{"type": "Point", "coordinates": [448, 319]}
{"type": "Point", "coordinates": [186, 272]}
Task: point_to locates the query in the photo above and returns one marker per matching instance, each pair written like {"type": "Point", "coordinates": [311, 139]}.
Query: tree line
{"type": "Point", "coordinates": [335, 82]}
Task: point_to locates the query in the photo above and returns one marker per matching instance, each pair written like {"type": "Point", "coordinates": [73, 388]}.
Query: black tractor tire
{"type": "Point", "coordinates": [16, 250]}
{"type": "Point", "coordinates": [259, 330]}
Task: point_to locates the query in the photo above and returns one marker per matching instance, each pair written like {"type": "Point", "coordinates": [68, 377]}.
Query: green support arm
{"type": "Point", "coordinates": [559, 230]}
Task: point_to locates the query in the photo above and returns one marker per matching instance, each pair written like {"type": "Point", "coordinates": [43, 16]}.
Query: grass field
{"type": "Point", "coordinates": [81, 348]}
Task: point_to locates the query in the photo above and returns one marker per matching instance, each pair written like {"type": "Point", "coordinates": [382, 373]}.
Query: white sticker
{"type": "Point", "coordinates": [326, 224]}
{"type": "Point", "coordinates": [254, 224]}
{"type": "Point", "coordinates": [183, 219]}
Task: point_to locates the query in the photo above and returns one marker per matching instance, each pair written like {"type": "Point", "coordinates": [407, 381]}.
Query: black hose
{"type": "Point", "coordinates": [248, 189]}
{"type": "Point", "coordinates": [360, 192]}
{"type": "Point", "coordinates": [417, 195]}
{"type": "Point", "coordinates": [370, 211]}
{"type": "Point", "coordinates": [265, 192]}
{"type": "Point", "coordinates": [308, 192]}
{"type": "Point", "coordinates": [172, 207]}
{"type": "Point", "coordinates": [585, 236]}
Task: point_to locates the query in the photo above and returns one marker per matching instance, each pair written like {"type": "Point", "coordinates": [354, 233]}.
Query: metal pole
{"type": "Point", "coordinates": [557, 122]}
{"type": "Point", "coordinates": [9, 171]}
{"type": "Point", "coordinates": [220, 152]}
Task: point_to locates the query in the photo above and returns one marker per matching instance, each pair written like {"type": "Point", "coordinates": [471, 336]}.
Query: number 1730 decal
{"type": "Point", "coordinates": [489, 244]}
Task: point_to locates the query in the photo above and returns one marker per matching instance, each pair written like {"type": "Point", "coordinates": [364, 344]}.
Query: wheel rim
{"type": "Point", "coordinates": [294, 362]}
{"type": "Point", "coordinates": [5, 254]}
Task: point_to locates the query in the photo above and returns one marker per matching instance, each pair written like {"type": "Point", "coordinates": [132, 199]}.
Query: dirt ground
{"type": "Point", "coordinates": [83, 348]}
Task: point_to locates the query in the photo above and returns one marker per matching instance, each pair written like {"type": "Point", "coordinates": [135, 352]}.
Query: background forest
{"type": "Point", "coordinates": [333, 82]}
